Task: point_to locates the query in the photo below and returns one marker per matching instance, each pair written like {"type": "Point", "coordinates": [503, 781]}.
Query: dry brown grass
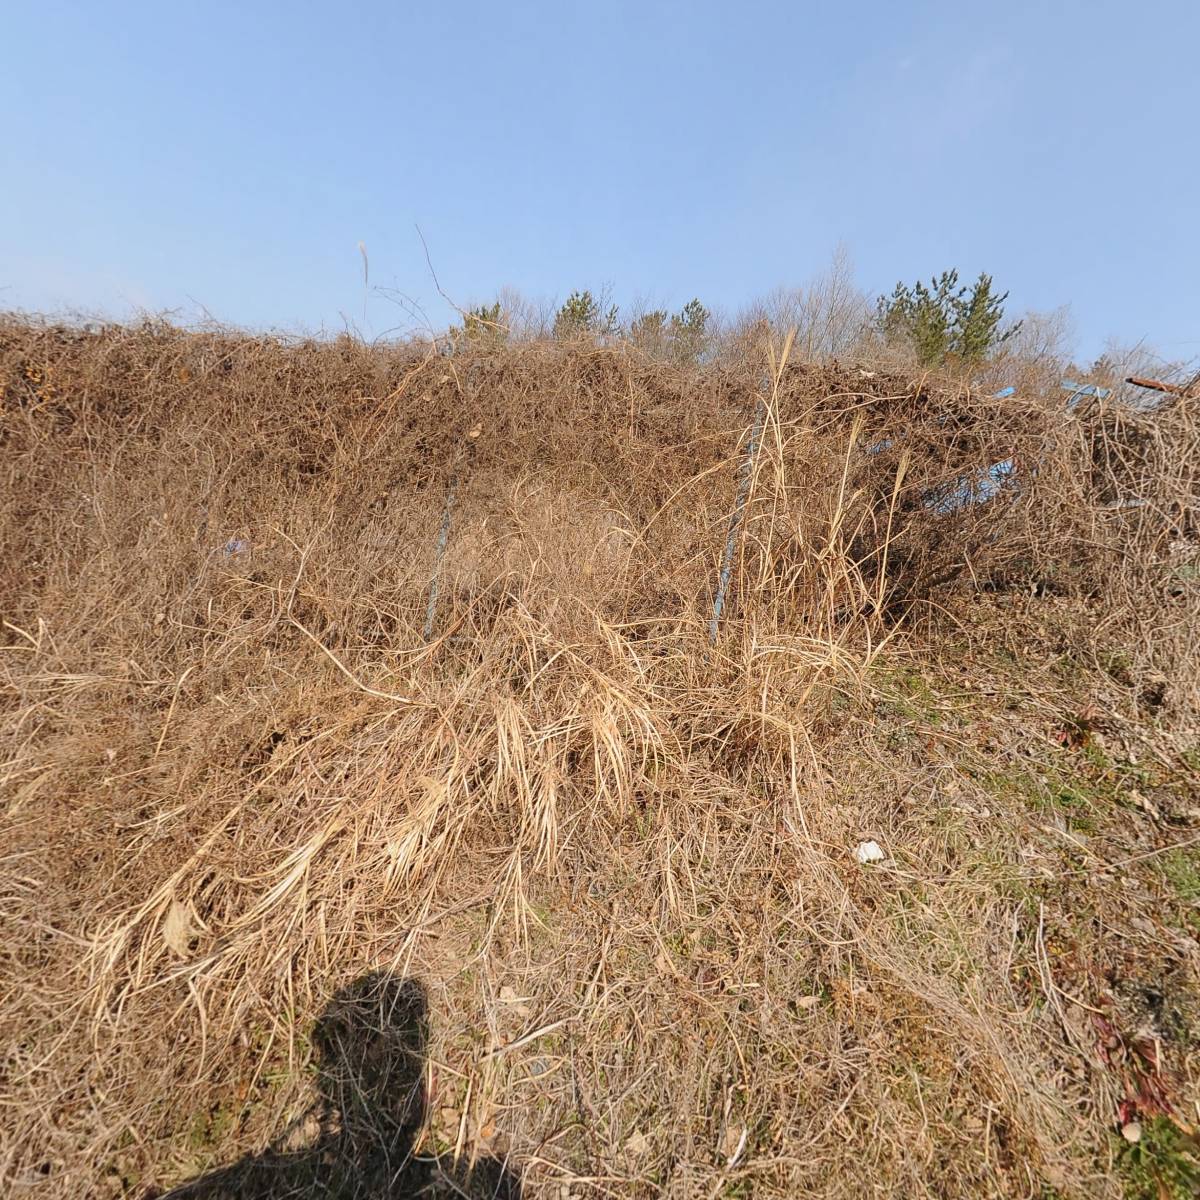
{"type": "Point", "coordinates": [236, 777]}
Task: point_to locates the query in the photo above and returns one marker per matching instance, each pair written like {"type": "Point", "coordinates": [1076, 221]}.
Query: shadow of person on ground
{"type": "Point", "coordinates": [370, 1049]}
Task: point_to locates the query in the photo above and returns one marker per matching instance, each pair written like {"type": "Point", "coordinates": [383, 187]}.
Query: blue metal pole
{"type": "Point", "coordinates": [443, 538]}
{"type": "Point", "coordinates": [735, 518]}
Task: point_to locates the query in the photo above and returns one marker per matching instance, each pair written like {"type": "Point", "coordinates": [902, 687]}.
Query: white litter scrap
{"type": "Point", "coordinates": [869, 852]}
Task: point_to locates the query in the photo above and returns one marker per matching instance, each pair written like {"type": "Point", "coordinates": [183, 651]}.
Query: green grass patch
{"type": "Point", "coordinates": [1049, 794]}
{"type": "Point", "coordinates": [1181, 870]}
{"type": "Point", "coordinates": [908, 694]}
{"type": "Point", "coordinates": [1163, 1164]}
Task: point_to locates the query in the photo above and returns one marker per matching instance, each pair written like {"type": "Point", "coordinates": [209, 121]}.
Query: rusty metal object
{"type": "Point", "coordinates": [1159, 385]}
{"type": "Point", "coordinates": [1154, 385]}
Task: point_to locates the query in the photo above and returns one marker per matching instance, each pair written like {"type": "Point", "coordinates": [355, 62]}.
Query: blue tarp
{"type": "Point", "coordinates": [977, 488]}
{"type": "Point", "coordinates": [1079, 390]}
{"type": "Point", "coordinates": [968, 490]}
{"type": "Point", "coordinates": [984, 485]}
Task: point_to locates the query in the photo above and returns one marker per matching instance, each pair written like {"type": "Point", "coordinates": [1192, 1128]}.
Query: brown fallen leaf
{"type": "Point", "coordinates": [177, 928]}
{"type": "Point", "coordinates": [637, 1143]}
{"type": "Point", "coordinates": [517, 1003]}
{"type": "Point", "coordinates": [732, 1142]}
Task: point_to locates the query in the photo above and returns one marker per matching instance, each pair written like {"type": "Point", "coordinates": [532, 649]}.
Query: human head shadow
{"type": "Point", "coordinates": [369, 1044]}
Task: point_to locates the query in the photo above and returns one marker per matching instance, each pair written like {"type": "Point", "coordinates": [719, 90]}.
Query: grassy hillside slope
{"type": "Point", "coordinates": [609, 864]}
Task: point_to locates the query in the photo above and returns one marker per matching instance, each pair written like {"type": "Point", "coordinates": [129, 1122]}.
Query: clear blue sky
{"type": "Point", "coordinates": [232, 156]}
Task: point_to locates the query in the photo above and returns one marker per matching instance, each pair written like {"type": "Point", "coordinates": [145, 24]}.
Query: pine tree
{"type": "Point", "coordinates": [688, 329]}
{"type": "Point", "coordinates": [582, 315]}
{"type": "Point", "coordinates": [977, 329]}
{"type": "Point", "coordinates": [945, 321]}
{"type": "Point", "coordinates": [482, 324]}
{"type": "Point", "coordinates": [922, 317]}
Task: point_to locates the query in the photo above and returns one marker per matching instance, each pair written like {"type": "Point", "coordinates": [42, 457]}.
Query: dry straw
{"type": "Point", "coordinates": [238, 775]}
